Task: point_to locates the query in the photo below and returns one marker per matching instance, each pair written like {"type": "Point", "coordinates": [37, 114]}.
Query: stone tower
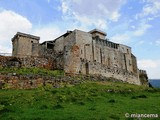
{"type": "Point", "coordinates": [25, 45]}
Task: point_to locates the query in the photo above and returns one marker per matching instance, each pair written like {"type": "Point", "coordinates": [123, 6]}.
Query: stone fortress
{"type": "Point", "coordinates": [82, 53]}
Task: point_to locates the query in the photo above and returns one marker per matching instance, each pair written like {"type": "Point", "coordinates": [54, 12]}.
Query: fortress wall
{"type": "Point", "coordinates": [118, 73]}
{"type": "Point", "coordinates": [45, 52]}
{"type": "Point", "coordinates": [107, 59]}
{"type": "Point", "coordinates": [71, 53]}
{"type": "Point", "coordinates": [84, 42]}
{"type": "Point", "coordinates": [77, 49]}
{"type": "Point", "coordinates": [59, 45]}
{"type": "Point", "coordinates": [26, 62]}
{"type": "Point", "coordinates": [134, 64]}
{"type": "Point", "coordinates": [95, 56]}
{"type": "Point", "coordinates": [15, 47]}
{"type": "Point", "coordinates": [24, 44]}
{"type": "Point", "coordinates": [109, 56]}
{"type": "Point", "coordinates": [127, 57]}
{"type": "Point", "coordinates": [35, 49]}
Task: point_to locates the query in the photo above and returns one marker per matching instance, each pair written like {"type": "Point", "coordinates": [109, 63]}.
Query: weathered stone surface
{"type": "Point", "coordinates": [25, 45]}
{"type": "Point", "coordinates": [26, 62]}
{"type": "Point", "coordinates": [34, 81]}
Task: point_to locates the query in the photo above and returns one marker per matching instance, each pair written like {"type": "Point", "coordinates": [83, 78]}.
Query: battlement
{"type": "Point", "coordinates": [105, 42]}
{"type": "Point", "coordinates": [142, 72]}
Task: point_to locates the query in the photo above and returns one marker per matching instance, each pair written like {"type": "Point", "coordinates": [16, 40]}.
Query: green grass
{"type": "Point", "coordinates": [31, 70]}
{"type": "Point", "coordinates": [88, 101]}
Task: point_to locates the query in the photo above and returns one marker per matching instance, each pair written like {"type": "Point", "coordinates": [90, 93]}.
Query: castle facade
{"type": "Point", "coordinates": [79, 52]}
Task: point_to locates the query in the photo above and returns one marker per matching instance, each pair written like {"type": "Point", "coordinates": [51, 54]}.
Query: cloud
{"type": "Point", "coordinates": [151, 66]}
{"type": "Point", "coordinates": [157, 42]}
{"type": "Point", "coordinates": [133, 27]}
{"type": "Point", "coordinates": [91, 13]}
{"type": "Point", "coordinates": [151, 8]}
{"type": "Point", "coordinates": [140, 42]}
{"type": "Point", "coordinates": [120, 38]}
{"type": "Point", "coordinates": [5, 49]}
{"type": "Point", "coordinates": [47, 33]}
{"type": "Point", "coordinates": [148, 63]}
{"type": "Point", "coordinates": [11, 22]}
{"type": "Point", "coordinates": [65, 7]}
{"type": "Point", "coordinates": [112, 15]}
{"type": "Point", "coordinates": [142, 29]}
{"type": "Point", "coordinates": [130, 35]}
{"type": "Point", "coordinates": [89, 21]}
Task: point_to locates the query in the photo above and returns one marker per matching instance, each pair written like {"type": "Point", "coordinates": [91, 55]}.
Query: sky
{"type": "Point", "coordinates": [135, 23]}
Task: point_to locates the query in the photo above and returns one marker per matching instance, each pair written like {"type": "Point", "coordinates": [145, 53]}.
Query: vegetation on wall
{"type": "Point", "coordinates": [31, 71]}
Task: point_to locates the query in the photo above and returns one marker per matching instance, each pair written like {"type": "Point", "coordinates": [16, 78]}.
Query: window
{"type": "Point", "coordinates": [49, 46]}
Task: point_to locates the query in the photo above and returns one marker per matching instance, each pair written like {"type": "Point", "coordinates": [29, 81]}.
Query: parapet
{"type": "Point", "coordinates": [142, 72]}
{"type": "Point", "coordinates": [26, 35]}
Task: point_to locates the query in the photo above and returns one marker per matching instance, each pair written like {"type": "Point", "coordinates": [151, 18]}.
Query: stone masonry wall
{"type": "Point", "coordinates": [26, 62]}
{"type": "Point", "coordinates": [23, 46]}
{"type": "Point", "coordinates": [13, 81]}
{"type": "Point", "coordinates": [114, 72]}
{"type": "Point", "coordinates": [71, 53]}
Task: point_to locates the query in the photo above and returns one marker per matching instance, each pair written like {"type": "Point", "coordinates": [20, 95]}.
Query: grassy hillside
{"type": "Point", "coordinates": [88, 101]}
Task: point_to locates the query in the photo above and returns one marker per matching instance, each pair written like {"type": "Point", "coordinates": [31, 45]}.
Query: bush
{"type": "Point", "coordinates": [111, 101]}
{"type": "Point", "coordinates": [139, 96]}
{"type": "Point", "coordinates": [58, 106]}
{"type": "Point", "coordinates": [1, 107]}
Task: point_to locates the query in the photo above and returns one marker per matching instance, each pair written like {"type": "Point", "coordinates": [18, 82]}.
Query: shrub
{"type": "Point", "coordinates": [111, 101]}
{"type": "Point", "coordinates": [44, 107]}
{"type": "Point", "coordinates": [1, 107]}
{"type": "Point", "coordinates": [58, 106]}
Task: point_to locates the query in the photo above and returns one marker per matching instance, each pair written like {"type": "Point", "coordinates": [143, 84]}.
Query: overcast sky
{"type": "Point", "coordinates": [135, 23]}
